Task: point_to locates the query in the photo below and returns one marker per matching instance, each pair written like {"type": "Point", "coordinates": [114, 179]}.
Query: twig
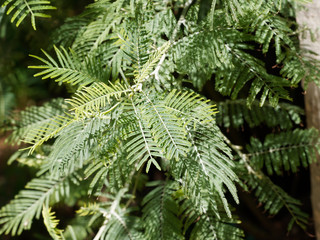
{"type": "Point", "coordinates": [243, 156]}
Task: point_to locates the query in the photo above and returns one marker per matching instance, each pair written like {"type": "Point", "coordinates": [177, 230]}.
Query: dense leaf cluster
{"type": "Point", "coordinates": [136, 70]}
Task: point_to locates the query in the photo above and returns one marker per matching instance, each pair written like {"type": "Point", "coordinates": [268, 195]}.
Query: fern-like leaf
{"type": "Point", "coordinates": [135, 44]}
{"type": "Point", "coordinates": [236, 113]}
{"type": "Point", "coordinates": [274, 198]}
{"type": "Point", "coordinates": [247, 68]}
{"type": "Point", "coordinates": [284, 151]}
{"type": "Point", "coordinates": [190, 106]}
{"type": "Point", "coordinates": [168, 130]}
{"type": "Point", "coordinates": [99, 171]}
{"type": "Point", "coordinates": [71, 148]}
{"type": "Point", "coordinates": [105, 18]}
{"type": "Point", "coordinates": [207, 167]}
{"type": "Point", "coordinates": [69, 69]}
{"type": "Point", "coordinates": [160, 212]}
{"type": "Point", "coordinates": [234, 8]}
{"type": "Point", "coordinates": [22, 8]}
{"type": "Point", "coordinates": [208, 226]}
{"type": "Point", "coordinates": [142, 74]}
{"type": "Point", "coordinates": [110, 169]}
{"type": "Point", "coordinates": [34, 118]}
{"type": "Point", "coordinates": [94, 99]}
{"type": "Point", "coordinates": [18, 215]}
{"type": "Point", "coordinates": [51, 223]}
{"type": "Point", "coordinates": [37, 136]}
{"type": "Point", "coordinates": [140, 146]}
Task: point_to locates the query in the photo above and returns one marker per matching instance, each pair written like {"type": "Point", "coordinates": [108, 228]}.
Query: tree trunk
{"type": "Point", "coordinates": [311, 18]}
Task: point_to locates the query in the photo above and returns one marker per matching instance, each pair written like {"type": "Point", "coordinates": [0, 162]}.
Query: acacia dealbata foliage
{"type": "Point", "coordinates": [139, 148]}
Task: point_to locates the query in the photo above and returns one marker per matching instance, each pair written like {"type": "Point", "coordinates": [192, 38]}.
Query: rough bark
{"type": "Point", "coordinates": [311, 18]}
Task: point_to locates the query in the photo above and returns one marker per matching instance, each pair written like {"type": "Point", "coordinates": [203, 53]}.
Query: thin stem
{"type": "Point", "coordinates": [181, 19]}
{"type": "Point", "coordinates": [173, 36]}
{"type": "Point", "coordinates": [242, 155]}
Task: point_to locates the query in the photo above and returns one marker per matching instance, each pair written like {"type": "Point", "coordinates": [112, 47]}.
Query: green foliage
{"type": "Point", "coordinates": [287, 150]}
{"type": "Point", "coordinates": [160, 212]}
{"type": "Point", "coordinates": [51, 223]}
{"type": "Point", "coordinates": [137, 72]}
{"type": "Point", "coordinates": [236, 114]}
{"type": "Point", "coordinates": [69, 69]}
{"type": "Point", "coordinates": [274, 199]}
{"type": "Point", "coordinates": [35, 118]}
{"type": "Point", "coordinates": [19, 213]}
{"type": "Point", "coordinates": [22, 8]}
